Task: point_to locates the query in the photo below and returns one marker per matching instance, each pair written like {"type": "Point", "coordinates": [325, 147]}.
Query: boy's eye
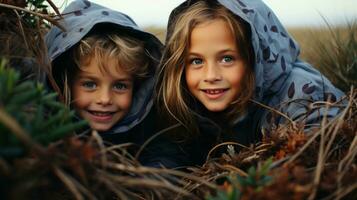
{"type": "Point", "coordinates": [89, 85]}
{"type": "Point", "coordinates": [120, 86]}
{"type": "Point", "coordinates": [227, 59]}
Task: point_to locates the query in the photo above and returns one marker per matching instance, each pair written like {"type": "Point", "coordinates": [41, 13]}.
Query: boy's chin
{"type": "Point", "coordinates": [101, 127]}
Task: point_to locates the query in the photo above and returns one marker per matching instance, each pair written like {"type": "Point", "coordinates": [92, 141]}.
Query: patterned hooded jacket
{"type": "Point", "coordinates": [280, 76]}
{"type": "Point", "coordinates": [80, 17]}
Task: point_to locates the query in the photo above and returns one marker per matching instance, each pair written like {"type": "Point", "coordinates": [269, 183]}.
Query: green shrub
{"type": "Point", "coordinates": [256, 180]}
{"type": "Point", "coordinates": [27, 109]}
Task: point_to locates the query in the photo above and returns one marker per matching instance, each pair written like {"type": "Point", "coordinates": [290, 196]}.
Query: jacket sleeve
{"type": "Point", "coordinates": [316, 97]}
{"type": "Point", "coordinates": [303, 98]}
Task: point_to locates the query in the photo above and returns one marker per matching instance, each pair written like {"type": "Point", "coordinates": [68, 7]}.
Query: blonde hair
{"type": "Point", "coordinates": [129, 53]}
{"type": "Point", "coordinates": [171, 86]}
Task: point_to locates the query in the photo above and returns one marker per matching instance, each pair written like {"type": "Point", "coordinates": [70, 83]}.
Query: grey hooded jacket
{"type": "Point", "coordinates": [79, 18]}
{"type": "Point", "coordinates": [282, 81]}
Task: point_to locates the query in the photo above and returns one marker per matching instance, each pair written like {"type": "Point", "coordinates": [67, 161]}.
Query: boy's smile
{"type": "Point", "coordinates": [102, 97]}
{"type": "Point", "coordinates": [101, 116]}
{"type": "Point", "coordinates": [214, 69]}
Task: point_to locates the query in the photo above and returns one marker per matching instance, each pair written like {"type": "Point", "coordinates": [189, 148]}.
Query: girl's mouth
{"type": "Point", "coordinates": [214, 93]}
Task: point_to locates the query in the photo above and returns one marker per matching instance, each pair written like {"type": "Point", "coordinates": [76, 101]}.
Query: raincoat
{"type": "Point", "coordinates": [282, 81]}
{"type": "Point", "coordinates": [79, 18]}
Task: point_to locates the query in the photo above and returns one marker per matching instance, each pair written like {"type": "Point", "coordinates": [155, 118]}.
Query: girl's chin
{"type": "Point", "coordinates": [216, 108]}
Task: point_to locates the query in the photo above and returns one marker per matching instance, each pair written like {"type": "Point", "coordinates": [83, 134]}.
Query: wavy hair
{"type": "Point", "coordinates": [177, 102]}
{"type": "Point", "coordinates": [129, 53]}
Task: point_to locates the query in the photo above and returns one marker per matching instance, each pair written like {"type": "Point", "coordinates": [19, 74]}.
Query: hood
{"type": "Point", "coordinates": [275, 51]}
{"type": "Point", "coordinates": [80, 17]}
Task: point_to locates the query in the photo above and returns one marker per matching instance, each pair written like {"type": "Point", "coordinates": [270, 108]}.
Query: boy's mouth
{"type": "Point", "coordinates": [100, 113]}
{"type": "Point", "coordinates": [101, 116]}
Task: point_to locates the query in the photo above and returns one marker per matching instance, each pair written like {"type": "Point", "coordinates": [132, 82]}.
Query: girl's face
{"type": "Point", "coordinates": [214, 69]}
{"type": "Point", "coordinates": [102, 97]}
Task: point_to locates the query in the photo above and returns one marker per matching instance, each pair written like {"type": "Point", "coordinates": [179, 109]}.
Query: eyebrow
{"type": "Point", "coordinates": [220, 52]}
{"type": "Point", "coordinates": [228, 51]}
{"type": "Point", "coordinates": [125, 79]}
{"type": "Point", "coordinates": [88, 76]}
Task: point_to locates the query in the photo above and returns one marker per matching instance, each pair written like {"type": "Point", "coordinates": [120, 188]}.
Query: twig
{"type": "Point", "coordinates": [137, 170]}
{"type": "Point", "coordinates": [215, 177]}
{"type": "Point", "coordinates": [346, 191]}
{"type": "Point", "coordinates": [346, 162]}
{"type": "Point", "coordinates": [99, 141]}
{"type": "Point", "coordinates": [321, 158]}
{"type": "Point", "coordinates": [339, 194]}
{"type": "Point", "coordinates": [49, 19]}
{"type": "Point", "coordinates": [54, 7]}
{"type": "Point", "coordinates": [75, 187]}
{"type": "Point", "coordinates": [69, 183]}
{"type": "Point", "coordinates": [233, 168]}
{"type": "Point", "coordinates": [113, 187]}
{"type": "Point", "coordinates": [22, 29]}
{"type": "Point", "coordinates": [150, 183]}
{"type": "Point", "coordinates": [276, 111]}
{"type": "Point", "coordinates": [312, 138]}
{"type": "Point", "coordinates": [222, 144]}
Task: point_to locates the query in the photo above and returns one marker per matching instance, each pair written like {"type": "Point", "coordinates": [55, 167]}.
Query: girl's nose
{"type": "Point", "coordinates": [212, 73]}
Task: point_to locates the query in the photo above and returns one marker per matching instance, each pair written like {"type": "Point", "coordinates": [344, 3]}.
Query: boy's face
{"type": "Point", "coordinates": [214, 69]}
{"type": "Point", "coordinates": [102, 97]}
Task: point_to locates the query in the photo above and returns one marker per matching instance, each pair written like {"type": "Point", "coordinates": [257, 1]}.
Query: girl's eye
{"type": "Point", "coordinates": [227, 59]}
{"type": "Point", "coordinates": [120, 86]}
{"type": "Point", "coordinates": [89, 85]}
{"type": "Point", "coordinates": [196, 61]}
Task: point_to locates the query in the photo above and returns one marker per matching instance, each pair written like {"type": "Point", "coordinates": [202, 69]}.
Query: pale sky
{"type": "Point", "coordinates": [290, 12]}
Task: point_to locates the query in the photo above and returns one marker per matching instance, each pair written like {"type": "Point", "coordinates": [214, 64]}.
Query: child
{"type": "Point", "coordinates": [225, 59]}
{"type": "Point", "coordinates": [104, 67]}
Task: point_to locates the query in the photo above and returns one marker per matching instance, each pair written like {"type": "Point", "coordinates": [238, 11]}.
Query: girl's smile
{"type": "Point", "coordinates": [214, 69]}
{"type": "Point", "coordinates": [214, 93]}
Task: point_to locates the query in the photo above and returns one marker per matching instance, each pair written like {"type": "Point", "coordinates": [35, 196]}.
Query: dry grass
{"type": "Point", "coordinates": [84, 169]}
{"type": "Point", "coordinates": [317, 165]}
{"type": "Point", "coordinates": [307, 36]}
{"type": "Point", "coordinates": [320, 164]}
{"type": "Point", "coordinates": [332, 50]}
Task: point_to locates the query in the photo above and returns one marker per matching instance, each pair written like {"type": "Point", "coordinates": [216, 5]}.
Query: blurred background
{"type": "Point", "coordinates": [292, 13]}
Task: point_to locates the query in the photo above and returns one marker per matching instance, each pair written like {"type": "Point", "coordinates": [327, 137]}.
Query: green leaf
{"type": "Point", "coordinates": [61, 132]}
{"type": "Point", "coordinates": [266, 167]}
{"type": "Point", "coordinates": [25, 97]}
{"type": "Point", "coordinates": [37, 111]}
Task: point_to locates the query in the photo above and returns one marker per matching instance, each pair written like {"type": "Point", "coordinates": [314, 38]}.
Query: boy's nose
{"type": "Point", "coordinates": [104, 97]}
{"type": "Point", "coordinates": [212, 73]}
